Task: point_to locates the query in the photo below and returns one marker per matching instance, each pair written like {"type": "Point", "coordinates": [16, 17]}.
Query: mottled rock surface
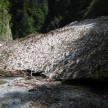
{"type": "Point", "coordinates": [15, 73]}
{"type": "Point", "coordinates": [79, 50]}
{"type": "Point", "coordinates": [39, 93]}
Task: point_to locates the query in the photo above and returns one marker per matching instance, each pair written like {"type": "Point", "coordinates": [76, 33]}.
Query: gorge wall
{"type": "Point", "coordinates": [5, 31]}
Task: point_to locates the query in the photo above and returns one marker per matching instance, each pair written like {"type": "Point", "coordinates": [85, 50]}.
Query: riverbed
{"type": "Point", "coordinates": [36, 92]}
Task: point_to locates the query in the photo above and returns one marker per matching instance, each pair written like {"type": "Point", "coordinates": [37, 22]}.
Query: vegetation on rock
{"type": "Point", "coordinates": [5, 32]}
{"type": "Point", "coordinates": [30, 16]}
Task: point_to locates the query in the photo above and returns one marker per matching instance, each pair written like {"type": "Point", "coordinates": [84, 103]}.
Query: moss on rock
{"type": "Point", "coordinates": [5, 31]}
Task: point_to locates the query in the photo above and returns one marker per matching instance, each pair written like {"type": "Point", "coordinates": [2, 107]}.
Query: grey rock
{"type": "Point", "coordinates": [76, 51]}
{"type": "Point", "coordinates": [39, 93]}
{"type": "Point", "coordinates": [69, 97]}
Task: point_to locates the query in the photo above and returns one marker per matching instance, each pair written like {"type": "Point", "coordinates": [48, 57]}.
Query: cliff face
{"type": "Point", "coordinates": [5, 31]}
{"type": "Point", "coordinates": [78, 50]}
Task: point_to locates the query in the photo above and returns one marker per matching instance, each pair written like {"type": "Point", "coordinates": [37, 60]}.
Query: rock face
{"type": "Point", "coordinates": [38, 93]}
{"type": "Point", "coordinates": [79, 50]}
{"type": "Point", "coordinates": [5, 30]}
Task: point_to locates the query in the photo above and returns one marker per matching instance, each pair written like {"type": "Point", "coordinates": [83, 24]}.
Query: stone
{"type": "Point", "coordinates": [64, 96]}
{"type": "Point", "coordinates": [39, 93]}
{"type": "Point", "coordinates": [13, 73]}
{"type": "Point", "coordinates": [79, 50]}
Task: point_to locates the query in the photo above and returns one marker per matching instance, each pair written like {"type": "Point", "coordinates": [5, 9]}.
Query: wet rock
{"type": "Point", "coordinates": [12, 73]}
{"type": "Point", "coordinates": [2, 82]}
{"type": "Point", "coordinates": [69, 97]}
{"type": "Point", "coordinates": [39, 93]}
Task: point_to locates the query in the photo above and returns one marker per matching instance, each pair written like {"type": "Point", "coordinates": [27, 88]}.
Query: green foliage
{"type": "Point", "coordinates": [55, 23]}
{"type": "Point", "coordinates": [4, 17]}
{"type": "Point", "coordinates": [28, 17]}
{"type": "Point", "coordinates": [97, 8]}
{"type": "Point", "coordinates": [62, 12]}
{"type": "Point", "coordinates": [31, 16]}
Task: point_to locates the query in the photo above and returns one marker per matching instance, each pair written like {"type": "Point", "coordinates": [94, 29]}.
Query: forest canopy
{"type": "Point", "coordinates": [31, 16]}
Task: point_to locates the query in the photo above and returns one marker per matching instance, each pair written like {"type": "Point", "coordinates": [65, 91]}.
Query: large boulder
{"type": "Point", "coordinates": [78, 50]}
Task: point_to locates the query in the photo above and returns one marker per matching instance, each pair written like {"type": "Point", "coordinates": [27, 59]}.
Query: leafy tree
{"type": "Point", "coordinates": [97, 8]}
{"type": "Point", "coordinates": [28, 16]}
{"type": "Point", "coordinates": [62, 12]}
